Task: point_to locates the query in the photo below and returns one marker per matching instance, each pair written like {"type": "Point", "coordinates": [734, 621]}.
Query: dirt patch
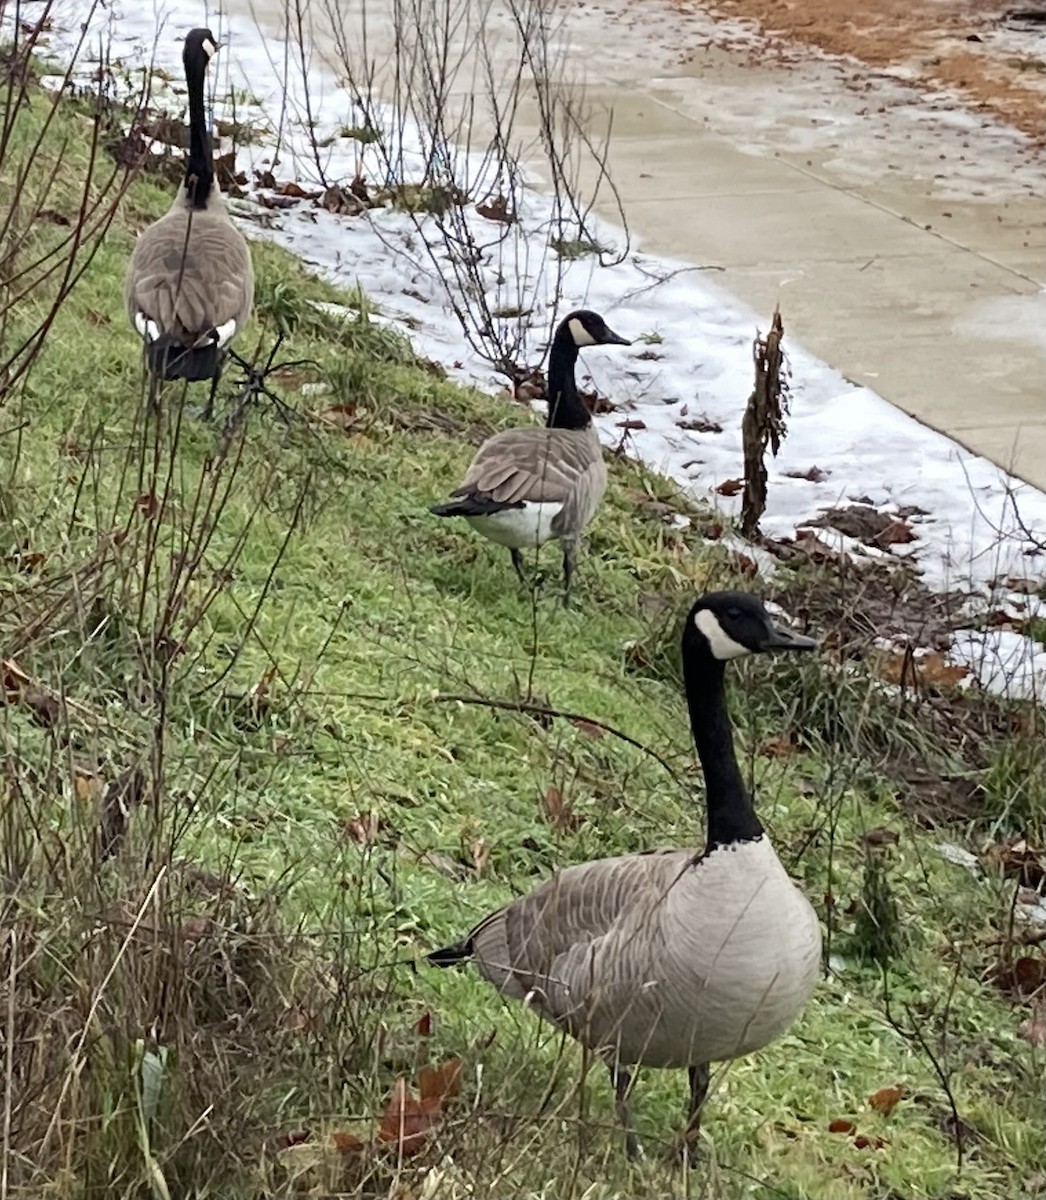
{"type": "Point", "coordinates": [972, 46]}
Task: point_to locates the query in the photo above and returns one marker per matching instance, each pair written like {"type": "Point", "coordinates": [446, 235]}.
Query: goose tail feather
{"type": "Point", "coordinates": [472, 506]}
{"type": "Point", "coordinates": [171, 359]}
{"type": "Point", "coordinates": [450, 956]}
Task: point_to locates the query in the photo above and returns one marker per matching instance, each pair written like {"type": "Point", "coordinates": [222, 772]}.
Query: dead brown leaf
{"type": "Point", "coordinates": [407, 1121]}
{"type": "Point", "coordinates": [365, 829]}
{"type": "Point", "coordinates": [885, 1100]}
{"type": "Point", "coordinates": [347, 1143]}
{"type": "Point", "coordinates": [496, 208]}
{"type": "Point", "coordinates": [778, 747]}
{"type": "Point", "coordinates": [341, 416]}
{"type": "Point", "coordinates": [863, 1142]}
{"type": "Point", "coordinates": [423, 1025]}
{"type": "Point", "coordinates": [631, 423]}
{"type": "Point", "coordinates": [730, 487]}
{"type": "Point", "coordinates": [881, 836]}
{"type": "Point", "coordinates": [587, 728]}
{"type": "Point", "coordinates": [440, 1083]}
{"type": "Point", "coordinates": [480, 852]}
{"type": "Point", "coordinates": [558, 811]}
{"type": "Point", "coordinates": [841, 1126]}
{"type": "Point", "coordinates": [811, 475]}
{"type": "Point", "coordinates": [1034, 1028]}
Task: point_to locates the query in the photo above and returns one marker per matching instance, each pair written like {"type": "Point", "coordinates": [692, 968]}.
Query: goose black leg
{"type": "Point", "coordinates": [569, 562]}
{"type": "Point", "coordinates": [699, 1077]}
{"type": "Point", "coordinates": [517, 562]}
{"type": "Point", "coordinates": [622, 1082]}
{"type": "Point", "coordinates": [207, 412]}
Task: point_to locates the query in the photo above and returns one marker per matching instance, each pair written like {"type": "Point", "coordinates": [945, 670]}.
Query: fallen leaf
{"type": "Point", "coordinates": [148, 504]}
{"type": "Point", "coordinates": [1034, 1029]}
{"type": "Point", "coordinates": [730, 487]}
{"type": "Point", "coordinates": [839, 1126]}
{"type": "Point", "coordinates": [631, 423]}
{"type": "Point", "coordinates": [347, 1143]}
{"type": "Point", "coordinates": [342, 416]}
{"type": "Point", "coordinates": [440, 1083]}
{"type": "Point", "coordinates": [364, 829]}
{"type": "Point", "coordinates": [897, 533]}
{"type": "Point", "coordinates": [881, 836]}
{"type": "Point", "coordinates": [480, 852]}
{"type": "Point", "coordinates": [885, 1100]}
{"type": "Point", "coordinates": [277, 201]}
{"type": "Point", "coordinates": [935, 671]}
{"type": "Point", "coordinates": [863, 1142]}
{"type": "Point", "coordinates": [423, 1026]}
{"type": "Point", "coordinates": [290, 188]}
{"type": "Point", "coordinates": [559, 813]}
{"type": "Point", "coordinates": [496, 208]}
{"type": "Point", "coordinates": [811, 475]}
{"type": "Point", "coordinates": [406, 1120]}
{"type": "Point", "coordinates": [700, 425]}
{"type": "Point", "coordinates": [296, 1137]}
{"type": "Point", "coordinates": [746, 565]}
{"type": "Point", "coordinates": [587, 728]}
{"type": "Point", "coordinates": [778, 747]}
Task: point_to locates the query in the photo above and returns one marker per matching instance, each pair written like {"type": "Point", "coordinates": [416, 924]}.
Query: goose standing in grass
{"type": "Point", "coordinates": [190, 284]}
{"type": "Point", "coordinates": [670, 958]}
{"type": "Point", "coordinates": [525, 487]}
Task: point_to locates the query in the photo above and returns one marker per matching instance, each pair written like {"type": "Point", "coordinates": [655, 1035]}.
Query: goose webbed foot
{"type": "Point", "coordinates": [622, 1081]}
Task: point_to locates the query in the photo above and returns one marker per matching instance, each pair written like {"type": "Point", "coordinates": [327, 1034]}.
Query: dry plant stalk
{"type": "Point", "coordinates": [764, 421]}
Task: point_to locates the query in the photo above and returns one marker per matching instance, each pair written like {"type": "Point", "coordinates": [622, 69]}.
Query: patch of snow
{"type": "Point", "coordinates": [871, 450]}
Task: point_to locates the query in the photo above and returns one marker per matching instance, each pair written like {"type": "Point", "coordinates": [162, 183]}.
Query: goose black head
{"type": "Point", "coordinates": [586, 328]}
{"type": "Point", "coordinates": [732, 624]}
{"type": "Point", "coordinates": [200, 47]}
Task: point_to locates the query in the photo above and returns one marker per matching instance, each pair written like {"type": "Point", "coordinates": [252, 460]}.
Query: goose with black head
{"type": "Point", "coordinates": [190, 284]}
{"type": "Point", "coordinates": [525, 487]}
{"type": "Point", "coordinates": [670, 958]}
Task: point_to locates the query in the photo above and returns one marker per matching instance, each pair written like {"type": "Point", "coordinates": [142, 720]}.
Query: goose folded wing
{"type": "Point", "coordinates": [527, 465]}
{"type": "Point", "coordinates": [543, 944]}
{"type": "Point", "coordinates": [189, 288]}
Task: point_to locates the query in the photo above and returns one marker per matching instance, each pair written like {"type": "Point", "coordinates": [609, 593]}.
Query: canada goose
{"type": "Point", "coordinates": [190, 284]}
{"type": "Point", "coordinates": [670, 958]}
{"type": "Point", "coordinates": [527, 486]}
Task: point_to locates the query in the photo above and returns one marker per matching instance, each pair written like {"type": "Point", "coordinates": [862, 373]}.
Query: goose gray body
{"type": "Point", "coordinates": [525, 487]}
{"type": "Point", "coordinates": [667, 959]}
{"type": "Point", "coordinates": [672, 958]}
{"type": "Point", "coordinates": [546, 483]}
{"type": "Point", "coordinates": [190, 283]}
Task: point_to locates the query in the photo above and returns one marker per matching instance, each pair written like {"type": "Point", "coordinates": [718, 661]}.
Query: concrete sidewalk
{"type": "Point", "coordinates": [861, 219]}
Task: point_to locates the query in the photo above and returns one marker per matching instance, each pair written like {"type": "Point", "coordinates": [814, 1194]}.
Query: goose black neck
{"type": "Point", "coordinates": [199, 167]}
{"type": "Point", "coordinates": [731, 817]}
{"type": "Point", "coordinates": [566, 410]}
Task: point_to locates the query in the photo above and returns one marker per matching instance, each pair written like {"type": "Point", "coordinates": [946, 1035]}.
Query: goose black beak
{"type": "Point", "coordinates": [779, 638]}
{"type": "Point", "coordinates": [610, 338]}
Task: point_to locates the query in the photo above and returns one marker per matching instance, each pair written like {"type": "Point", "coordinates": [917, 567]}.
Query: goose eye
{"type": "Point", "coordinates": [734, 614]}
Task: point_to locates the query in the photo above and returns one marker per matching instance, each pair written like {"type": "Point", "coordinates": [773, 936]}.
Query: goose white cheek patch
{"type": "Point", "coordinates": [580, 334]}
{"type": "Point", "coordinates": [722, 645]}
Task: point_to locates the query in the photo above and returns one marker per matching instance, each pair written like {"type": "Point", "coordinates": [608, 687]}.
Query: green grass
{"type": "Point", "coordinates": [323, 621]}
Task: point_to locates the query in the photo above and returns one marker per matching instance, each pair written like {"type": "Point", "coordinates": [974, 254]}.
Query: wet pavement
{"type": "Point", "coordinates": [904, 238]}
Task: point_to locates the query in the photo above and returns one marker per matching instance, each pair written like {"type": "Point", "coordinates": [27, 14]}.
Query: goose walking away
{"type": "Point", "coordinates": [525, 487]}
{"type": "Point", "coordinates": [190, 284]}
{"type": "Point", "coordinates": [670, 958]}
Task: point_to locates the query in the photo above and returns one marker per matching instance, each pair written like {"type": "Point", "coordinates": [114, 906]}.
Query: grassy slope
{"type": "Point", "coordinates": [374, 608]}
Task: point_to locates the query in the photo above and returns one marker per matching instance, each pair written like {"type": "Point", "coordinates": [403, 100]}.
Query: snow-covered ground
{"type": "Point", "coordinates": [692, 356]}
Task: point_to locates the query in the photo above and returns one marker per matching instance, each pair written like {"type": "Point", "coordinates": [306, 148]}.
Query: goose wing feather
{"type": "Point", "coordinates": [540, 465]}
{"type": "Point", "coordinates": [191, 272]}
{"type": "Point", "coordinates": [547, 943]}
